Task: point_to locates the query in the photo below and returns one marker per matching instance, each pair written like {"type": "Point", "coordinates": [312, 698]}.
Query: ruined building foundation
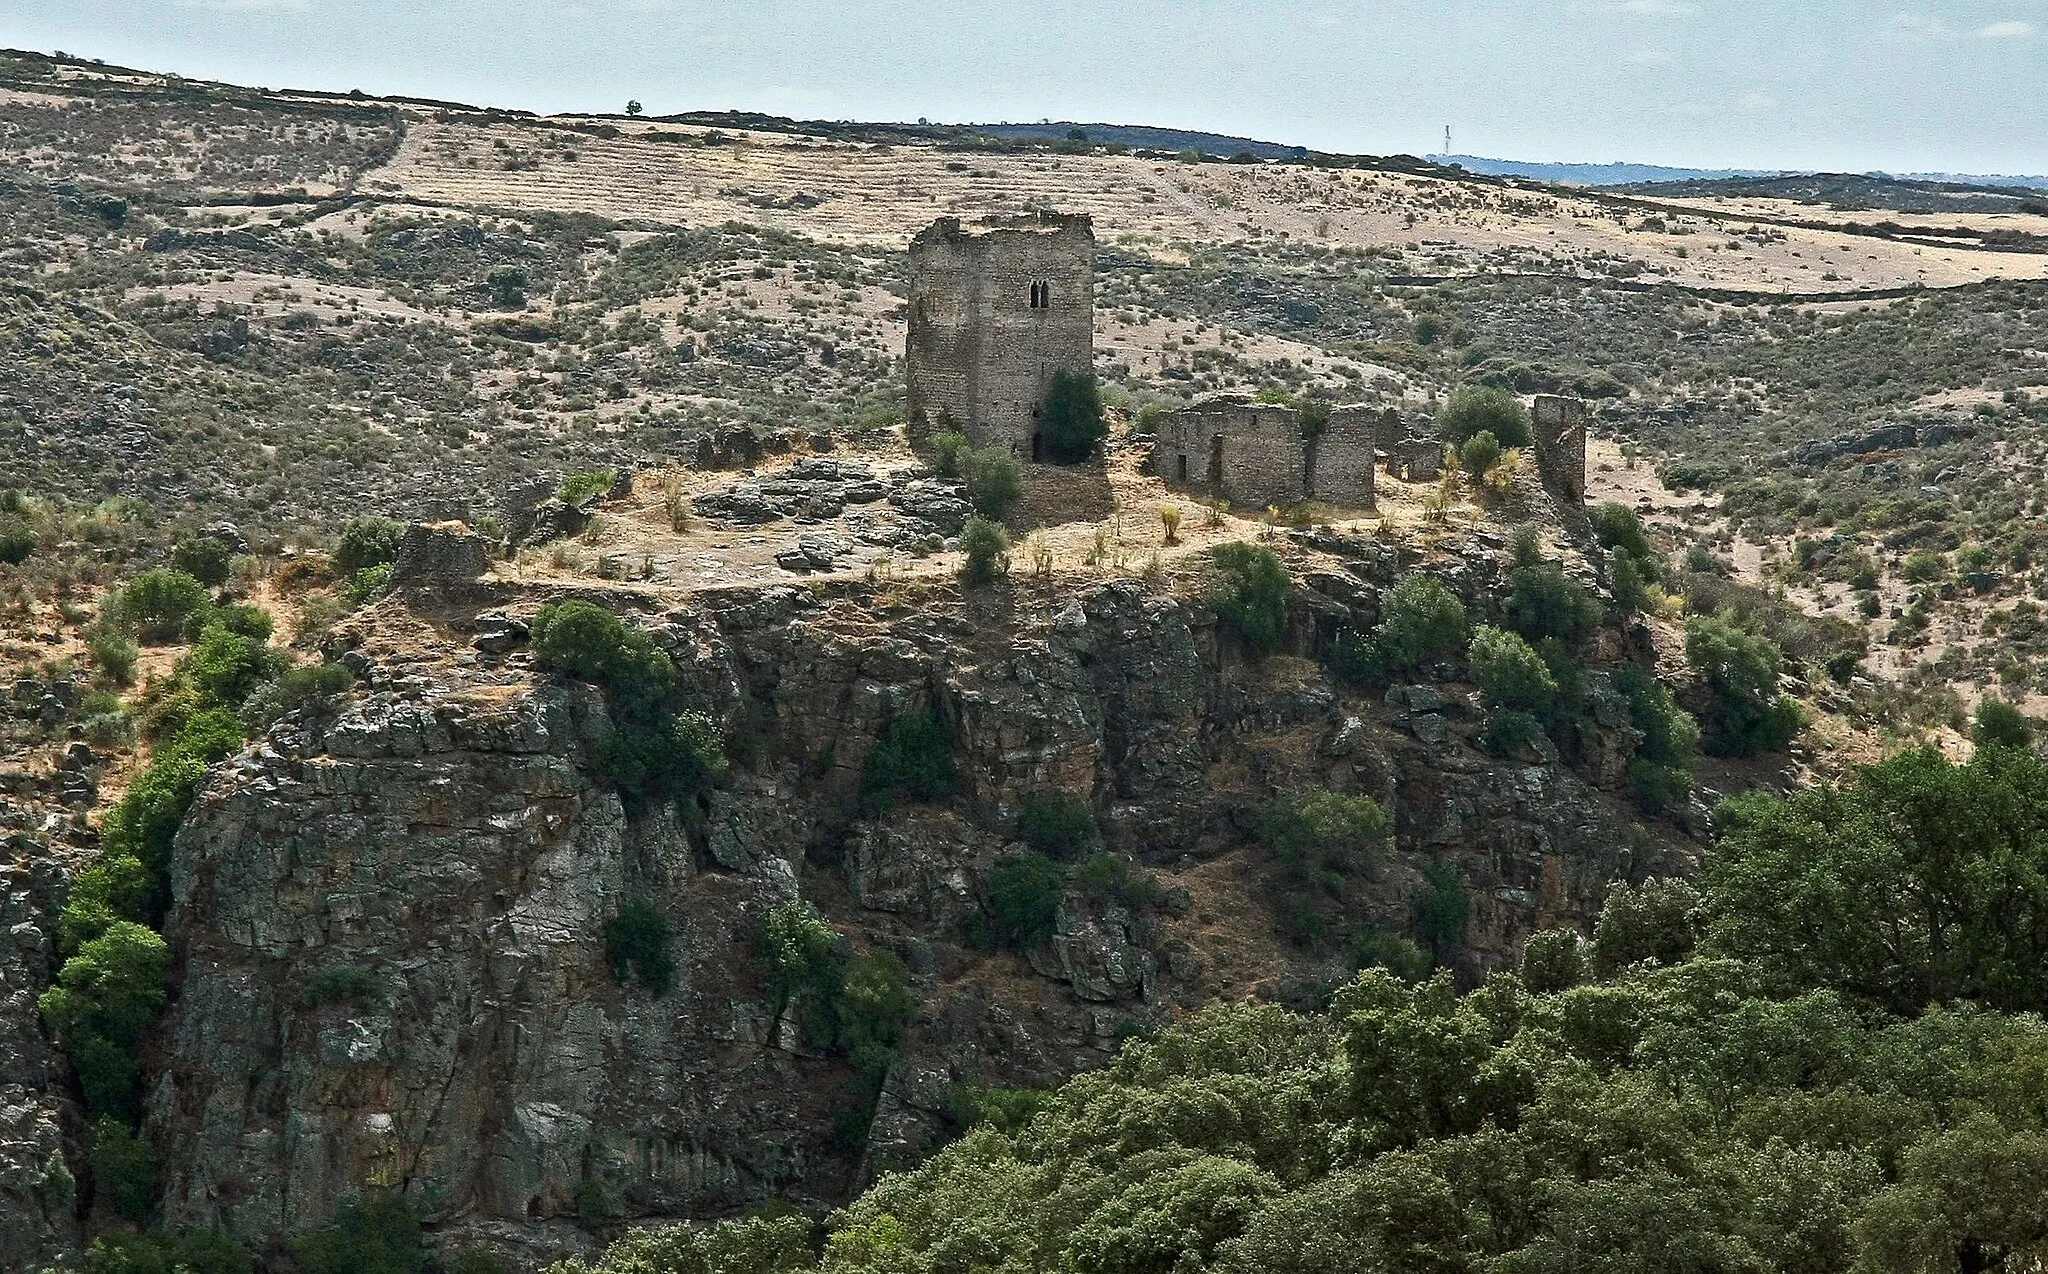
{"type": "Point", "coordinates": [996, 307]}
{"type": "Point", "coordinates": [1256, 454]}
{"type": "Point", "coordinates": [1559, 427]}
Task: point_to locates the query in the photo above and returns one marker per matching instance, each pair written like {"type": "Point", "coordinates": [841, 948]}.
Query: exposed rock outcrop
{"type": "Point", "coordinates": [391, 927]}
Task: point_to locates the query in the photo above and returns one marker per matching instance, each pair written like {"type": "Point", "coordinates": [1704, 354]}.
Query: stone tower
{"type": "Point", "coordinates": [996, 307]}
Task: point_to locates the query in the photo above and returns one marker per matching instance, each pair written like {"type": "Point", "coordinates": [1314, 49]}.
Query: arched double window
{"type": "Point", "coordinates": [1041, 296]}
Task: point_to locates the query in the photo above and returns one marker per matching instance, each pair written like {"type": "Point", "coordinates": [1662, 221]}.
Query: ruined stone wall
{"type": "Point", "coordinates": [1253, 454]}
{"type": "Point", "coordinates": [1246, 452]}
{"type": "Point", "coordinates": [1559, 426]}
{"type": "Point", "coordinates": [1343, 458]}
{"type": "Point", "coordinates": [996, 307]}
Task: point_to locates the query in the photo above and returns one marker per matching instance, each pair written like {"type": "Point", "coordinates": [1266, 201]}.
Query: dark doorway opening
{"type": "Point", "coordinates": [1183, 469]}
{"type": "Point", "coordinates": [1037, 447]}
{"type": "Point", "coordinates": [1216, 461]}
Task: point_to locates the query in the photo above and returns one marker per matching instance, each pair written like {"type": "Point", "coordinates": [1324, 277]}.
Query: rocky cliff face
{"type": "Point", "coordinates": [37, 1187]}
{"type": "Point", "coordinates": [390, 921]}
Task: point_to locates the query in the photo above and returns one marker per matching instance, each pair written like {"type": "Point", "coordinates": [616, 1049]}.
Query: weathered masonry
{"type": "Point", "coordinates": [1256, 454]}
{"type": "Point", "coordinates": [996, 307]}
{"type": "Point", "coordinates": [1559, 426]}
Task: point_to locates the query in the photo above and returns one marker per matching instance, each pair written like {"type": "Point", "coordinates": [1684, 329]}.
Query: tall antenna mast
{"type": "Point", "coordinates": [1447, 139]}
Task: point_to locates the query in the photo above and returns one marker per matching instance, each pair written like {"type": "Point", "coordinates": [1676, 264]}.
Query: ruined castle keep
{"type": "Point", "coordinates": [996, 307]}
{"type": "Point", "coordinates": [1255, 454]}
{"type": "Point", "coordinates": [1559, 426]}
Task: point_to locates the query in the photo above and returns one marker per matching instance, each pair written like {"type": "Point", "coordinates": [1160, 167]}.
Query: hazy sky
{"type": "Point", "coordinates": [1958, 85]}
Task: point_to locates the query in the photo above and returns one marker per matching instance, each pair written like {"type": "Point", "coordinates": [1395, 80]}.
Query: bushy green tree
{"type": "Point", "coordinates": [948, 447]}
{"type": "Point", "coordinates": [1421, 622]}
{"type": "Point", "coordinates": [375, 1233]}
{"type": "Point", "coordinates": [1509, 672]}
{"type": "Point", "coordinates": [1323, 846]}
{"type": "Point", "coordinates": [365, 542]}
{"type": "Point", "coordinates": [155, 604]}
{"type": "Point", "coordinates": [124, 1170]}
{"type": "Point", "coordinates": [1652, 921]}
{"type": "Point", "coordinates": [1251, 595]}
{"type": "Point", "coordinates": [2001, 725]}
{"type": "Point", "coordinates": [1480, 453]}
{"type": "Point", "coordinates": [1745, 714]}
{"type": "Point", "coordinates": [106, 997]}
{"type": "Point", "coordinates": [987, 552]}
{"type": "Point", "coordinates": [1023, 902]}
{"type": "Point", "coordinates": [1071, 418]}
{"type": "Point", "coordinates": [1476, 409]}
{"type": "Point", "coordinates": [912, 760]}
{"type": "Point", "coordinates": [204, 559]}
{"type": "Point", "coordinates": [1552, 962]}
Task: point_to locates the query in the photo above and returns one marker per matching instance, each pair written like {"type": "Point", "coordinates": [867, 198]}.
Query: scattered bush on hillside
{"type": "Point", "coordinates": [1421, 623]}
{"type": "Point", "coordinates": [1071, 418]}
{"type": "Point", "coordinates": [912, 760]}
{"type": "Point", "coordinates": [994, 479]}
{"type": "Point", "coordinates": [1479, 454]}
{"type": "Point", "coordinates": [155, 1253]}
{"type": "Point", "coordinates": [947, 447]}
{"type": "Point", "coordinates": [1060, 826]}
{"type": "Point", "coordinates": [1543, 602]}
{"type": "Point", "coordinates": [1251, 595]}
{"type": "Point", "coordinates": [987, 549]}
{"type": "Point", "coordinates": [204, 559]}
{"type": "Point", "coordinates": [579, 489]}
{"type": "Point", "coordinates": [375, 1233]}
{"type": "Point", "coordinates": [1509, 672]}
{"type": "Point", "coordinates": [114, 653]}
{"type": "Point", "coordinates": [1324, 845]}
{"type": "Point", "coordinates": [1652, 921]}
{"type": "Point", "coordinates": [1739, 671]}
{"type": "Point", "coordinates": [1477, 409]}
{"type": "Point", "coordinates": [155, 604]}
{"type": "Point", "coordinates": [636, 942]}
{"type": "Point", "coordinates": [1660, 773]}
{"type": "Point", "coordinates": [1441, 910]}
{"type": "Point", "coordinates": [367, 542]}
{"type": "Point", "coordinates": [1023, 902]}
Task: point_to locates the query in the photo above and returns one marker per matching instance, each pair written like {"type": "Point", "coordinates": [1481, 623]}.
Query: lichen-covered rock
{"type": "Point", "coordinates": [38, 1191]}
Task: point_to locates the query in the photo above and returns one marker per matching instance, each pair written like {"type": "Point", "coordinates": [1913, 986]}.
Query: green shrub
{"type": "Point", "coordinates": [1542, 601]}
{"type": "Point", "coordinates": [204, 559]}
{"type": "Point", "coordinates": [240, 619]}
{"type": "Point", "coordinates": [369, 584]}
{"type": "Point", "coordinates": [17, 543]}
{"type": "Point", "coordinates": [988, 552]}
{"type": "Point", "coordinates": [1480, 453]}
{"type": "Point", "coordinates": [1323, 846]}
{"type": "Point", "coordinates": [1023, 902]}
{"type": "Point", "coordinates": [994, 479]}
{"type": "Point", "coordinates": [591, 484]}
{"type": "Point", "coordinates": [114, 654]}
{"type": "Point", "coordinates": [1923, 566]}
{"type": "Point", "coordinates": [366, 542]}
{"type": "Point", "coordinates": [595, 1206]}
{"type": "Point", "coordinates": [1060, 826]}
{"type": "Point", "coordinates": [1378, 949]}
{"type": "Point", "coordinates": [107, 996]}
{"type": "Point", "coordinates": [948, 446]}
{"type": "Point", "coordinates": [581, 639]}
{"type": "Point", "coordinates": [636, 941]}
{"type": "Point", "coordinates": [376, 1233]}
{"type": "Point", "coordinates": [124, 1170]}
{"type": "Point", "coordinates": [309, 688]}
{"type": "Point", "coordinates": [1476, 409]}
{"type": "Point", "coordinates": [226, 667]}
{"type": "Point", "coordinates": [1552, 962]}
{"type": "Point", "coordinates": [1071, 418]}
{"type": "Point", "coordinates": [799, 952]}
{"type": "Point", "coordinates": [1007, 1110]}
{"type": "Point", "coordinates": [1509, 732]}
{"type": "Point", "coordinates": [757, 1245]}
{"type": "Point", "coordinates": [1509, 672]}
{"type": "Point", "coordinates": [1251, 595]}
{"type": "Point", "coordinates": [1619, 529]}
{"type": "Point", "coordinates": [341, 984]}
{"type": "Point", "coordinates": [1652, 921]}
{"type": "Point", "coordinates": [874, 1008]}
{"type": "Point", "coordinates": [654, 755]}
{"type": "Point", "coordinates": [912, 760]}
{"type": "Point", "coordinates": [1660, 774]}
{"type": "Point", "coordinates": [200, 1253]}
{"type": "Point", "coordinates": [155, 604]}
{"type": "Point", "coordinates": [1738, 671]}
{"type": "Point", "coordinates": [1115, 878]}
{"type": "Point", "coordinates": [1441, 910]}
{"type": "Point", "coordinates": [2000, 724]}
{"type": "Point", "coordinates": [1421, 622]}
